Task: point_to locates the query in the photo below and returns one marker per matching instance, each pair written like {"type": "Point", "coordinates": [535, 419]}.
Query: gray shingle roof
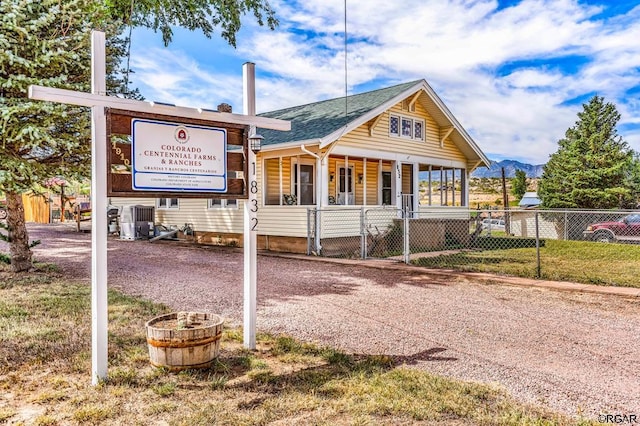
{"type": "Point", "coordinates": [319, 119]}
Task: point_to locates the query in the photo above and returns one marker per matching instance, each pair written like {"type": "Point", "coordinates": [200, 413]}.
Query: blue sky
{"type": "Point", "coordinates": [514, 73]}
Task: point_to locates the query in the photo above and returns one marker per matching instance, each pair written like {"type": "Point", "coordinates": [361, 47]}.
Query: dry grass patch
{"type": "Point", "coordinates": [45, 366]}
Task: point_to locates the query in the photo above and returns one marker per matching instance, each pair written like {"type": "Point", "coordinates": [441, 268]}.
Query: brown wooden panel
{"type": "Point", "coordinates": [120, 124]}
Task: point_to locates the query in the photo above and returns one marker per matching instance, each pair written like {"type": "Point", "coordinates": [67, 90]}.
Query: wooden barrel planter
{"type": "Point", "coordinates": [182, 340]}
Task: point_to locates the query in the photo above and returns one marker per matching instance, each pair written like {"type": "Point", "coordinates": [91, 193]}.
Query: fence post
{"type": "Point", "coordinates": [363, 234]}
{"type": "Point", "coordinates": [406, 248]}
{"type": "Point", "coordinates": [318, 231]}
{"type": "Point", "coordinates": [566, 225]}
{"type": "Point", "coordinates": [308, 231]}
{"type": "Point", "coordinates": [538, 270]}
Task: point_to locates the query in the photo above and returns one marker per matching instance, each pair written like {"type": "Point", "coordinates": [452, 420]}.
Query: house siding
{"type": "Point", "coordinates": [194, 211]}
{"type": "Point", "coordinates": [381, 141]}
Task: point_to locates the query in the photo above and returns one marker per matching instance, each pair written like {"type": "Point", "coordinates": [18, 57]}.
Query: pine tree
{"type": "Point", "coordinates": [519, 184]}
{"type": "Point", "coordinates": [591, 168]}
{"type": "Point", "coordinates": [45, 43]}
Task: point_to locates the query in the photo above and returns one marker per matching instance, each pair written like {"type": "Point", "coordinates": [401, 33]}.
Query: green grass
{"type": "Point", "coordinates": [578, 261]}
{"type": "Point", "coordinates": [45, 334]}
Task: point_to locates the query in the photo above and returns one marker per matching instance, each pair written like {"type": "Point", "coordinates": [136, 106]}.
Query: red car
{"type": "Point", "coordinates": [624, 229]}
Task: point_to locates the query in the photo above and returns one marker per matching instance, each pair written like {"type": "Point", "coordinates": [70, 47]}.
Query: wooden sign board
{"type": "Point", "coordinates": [120, 172]}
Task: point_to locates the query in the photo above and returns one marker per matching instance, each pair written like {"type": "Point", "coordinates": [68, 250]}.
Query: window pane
{"type": "Point", "coordinates": [418, 133]}
{"type": "Point", "coordinates": [215, 203]}
{"type": "Point", "coordinates": [386, 188]}
{"type": "Point", "coordinates": [345, 182]}
{"type": "Point", "coordinates": [173, 202]}
{"type": "Point", "coordinates": [162, 203]}
{"type": "Point", "coordinates": [232, 203]}
{"type": "Point", "coordinates": [386, 197]}
{"type": "Point", "coordinates": [394, 125]}
{"type": "Point", "coordinates": [407, 127]}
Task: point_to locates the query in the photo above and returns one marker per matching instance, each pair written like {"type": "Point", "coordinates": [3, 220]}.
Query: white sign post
{"type": "Point", "coordinates": [250, 219]}
{"type": "Point", "coordinates": [98, 100]}
{"type": "Point", "coordinates": [99, 307]}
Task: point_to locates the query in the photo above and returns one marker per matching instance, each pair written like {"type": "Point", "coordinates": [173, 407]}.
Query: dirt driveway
{"type": "Point", "coordinates": [573, 352]}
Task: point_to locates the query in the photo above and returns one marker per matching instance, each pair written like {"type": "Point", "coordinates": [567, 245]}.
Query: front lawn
{"type": "Point", "coordinates": [577, 261]}
{"type": "Point", "coordinates": [45, 363]}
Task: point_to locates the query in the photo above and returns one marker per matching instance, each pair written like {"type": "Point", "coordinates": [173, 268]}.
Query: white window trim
{"type": "Point", "coordinates": [413, 120]}
{"type": "Point", "coordinates": [168, 205]}
{"type": "Point", "coordinates": [294, 167]}
{"type": "Point", "coordinates": [224, 204]}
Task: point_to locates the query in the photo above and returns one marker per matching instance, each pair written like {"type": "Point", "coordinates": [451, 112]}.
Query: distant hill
{"type": "Point", "coordinates": [510, 167]}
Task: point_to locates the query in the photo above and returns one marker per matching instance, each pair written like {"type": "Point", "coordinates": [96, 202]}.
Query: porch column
{"type": "Point", "coordinates": [346, 180]}
{"type": "Point", "coordinates": [297, 173]}
{"type": "Point", "coordinates": [323, 182]}
{"type": "Point", "coordinates": [416, 187]}
{"type": "Point", "coordinates": [396, 183]}
{"type": "Point", "coordinates": [280, 177]}
{"type": "Point", "coordinates": [453, 187]}
{"type": "Point", "coordinates": [364, 181]}
{"type": "Point", "coordinates": [430, 180]}
{"type": "Point", "coordinates": [441, 184]}
{"type": "Point", "coordinates": [464, 187]}
{"type": "Point", "coordinates": [379, 201]}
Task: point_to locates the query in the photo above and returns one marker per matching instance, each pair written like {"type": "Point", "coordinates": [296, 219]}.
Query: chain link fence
{"type": "Point", "coordinates": [515, 242]}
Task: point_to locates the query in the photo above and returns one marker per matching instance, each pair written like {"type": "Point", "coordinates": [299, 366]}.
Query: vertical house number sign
{"type": "Point", "coordinates": [253, 188]}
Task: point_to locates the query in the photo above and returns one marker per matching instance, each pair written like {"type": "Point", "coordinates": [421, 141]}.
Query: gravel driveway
{"type": "Point", "coordinates": [573, 352]}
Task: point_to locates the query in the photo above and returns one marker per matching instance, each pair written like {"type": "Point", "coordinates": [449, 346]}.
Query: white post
{"type": "Point", "coordinates": [347, 178]}
{"type": "Point", "coordinates": [430, 194]}
{"type": "Point", "coordinates": [380, 182]}
{"type": "Point", "coordinates": [396, 183]}
{"type": "Point", "coordinates": [364, 181]}
{"type": "Point", "coordinates": [250, 220]}
{"type": "Point", "coordinates": [99, 323]}
{"type": "Point", "coordinates": [280, 177]}
{"type": "Point", "coordinates": [416, 188]}
{"type": "Point", "coordinates": [324, 181]}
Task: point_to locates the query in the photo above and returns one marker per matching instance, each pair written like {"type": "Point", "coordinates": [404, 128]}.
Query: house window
{"type": "Point", "coordinates": [386, 188]}
{"type": "Point", "coordinates": [418, 129]}
{"type": "Point", "coordinates": [406, 127]}
{"type": "Point", "coordinates": [167, 203]}
{"type": "Point", "coordinates": [223, 204]}
{"type": "Point", "coordinates": [304, 175]}
{"type": "Point", "coordinates": [394, 125]}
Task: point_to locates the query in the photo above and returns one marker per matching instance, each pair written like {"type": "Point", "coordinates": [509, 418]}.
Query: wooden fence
{"type": "Point", "coordinates": [36, 208]}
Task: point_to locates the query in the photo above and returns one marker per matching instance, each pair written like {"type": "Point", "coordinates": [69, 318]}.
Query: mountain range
{"type": "Point", "coordinates": [510, 167]}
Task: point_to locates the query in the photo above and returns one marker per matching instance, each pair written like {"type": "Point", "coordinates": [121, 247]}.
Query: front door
{"type": "Point", "coordinates": [345, 185]}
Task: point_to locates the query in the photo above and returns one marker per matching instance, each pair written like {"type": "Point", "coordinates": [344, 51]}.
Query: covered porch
{"type": "Point", "coordinates": [409, 183]}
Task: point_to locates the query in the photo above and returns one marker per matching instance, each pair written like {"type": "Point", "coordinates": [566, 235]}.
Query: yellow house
{"type": "Point", "coordinates": [397, 148]}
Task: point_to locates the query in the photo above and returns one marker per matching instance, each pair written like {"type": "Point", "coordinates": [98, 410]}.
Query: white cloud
{"type": "Point", "coordinates": [465, 49]}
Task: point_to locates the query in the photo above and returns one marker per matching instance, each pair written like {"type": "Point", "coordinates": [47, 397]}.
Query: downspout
{"type": "Point", "coordinates": [318, 195]}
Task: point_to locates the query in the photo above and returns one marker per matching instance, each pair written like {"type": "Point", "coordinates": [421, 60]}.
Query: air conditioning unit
{"type": "Point", "coordinates": [137, 222]}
